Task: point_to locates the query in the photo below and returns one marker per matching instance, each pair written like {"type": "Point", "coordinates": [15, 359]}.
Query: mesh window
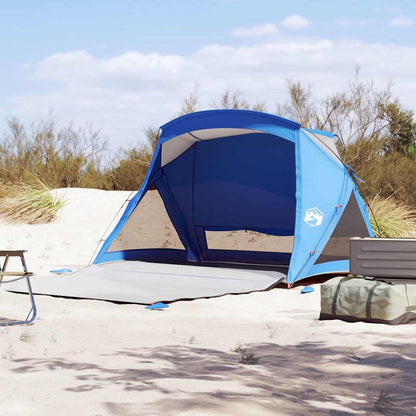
{"type": "Point", "coordinates": [248, 241]}
{"type": "Point", "coordinates": [351, 224]}
{"type": "Point", "coordinates": [149, 226]}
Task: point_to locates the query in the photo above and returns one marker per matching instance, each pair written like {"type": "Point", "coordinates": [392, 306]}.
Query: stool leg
{"type": "Point", "coordinates": [6, 261]}
{"type": "Point", "coordinates": [22, 258]}
{"type": "Point", "coordinates": [31, 316]}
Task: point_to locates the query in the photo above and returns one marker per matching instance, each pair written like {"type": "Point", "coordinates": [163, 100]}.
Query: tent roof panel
{"type": "Point", "coordinates": [240, 119]}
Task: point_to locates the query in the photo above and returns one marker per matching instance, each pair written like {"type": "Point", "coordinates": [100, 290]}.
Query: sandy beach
{"type": "Point", "coordinates": [263, 353]}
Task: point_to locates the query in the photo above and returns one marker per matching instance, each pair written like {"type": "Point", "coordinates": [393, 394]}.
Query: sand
{"type": "Point", "coordinates": [264, 353]}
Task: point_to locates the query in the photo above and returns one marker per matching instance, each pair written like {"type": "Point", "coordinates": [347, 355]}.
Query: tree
{"type": "Point", "coordinates": [400, 133]}
{"type": "Point", "coordinates": [231, 100]}
{"type": "Point", "coordinates": [190, 103]}
{"type": "Point", "coordinates": [300, 107]}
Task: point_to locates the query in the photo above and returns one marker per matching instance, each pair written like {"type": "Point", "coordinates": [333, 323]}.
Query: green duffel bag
{"type": "Point", "coordinates": [367, 299]}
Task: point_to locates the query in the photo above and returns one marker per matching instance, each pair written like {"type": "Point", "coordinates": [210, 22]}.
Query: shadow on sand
{"type": "Point", "coordinates": [307, 378]}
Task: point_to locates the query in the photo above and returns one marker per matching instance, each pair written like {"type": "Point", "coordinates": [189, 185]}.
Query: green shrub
{"type": "Point", "coordinates": [130, 169]}
{"type": "Point", "coordinates": [385, 175]}
{"type": "Point", "coordinates": [67, 157]}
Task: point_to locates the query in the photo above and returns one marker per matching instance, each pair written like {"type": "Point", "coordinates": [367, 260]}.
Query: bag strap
{"type": "Point", "coordinates": [409, 308]}
{"type": "Point", "coordinates": [376, 279]}
{"type": "Point", "coordinates": [369, 299]}
{"type": "Point", "coordinates": [335, 298]}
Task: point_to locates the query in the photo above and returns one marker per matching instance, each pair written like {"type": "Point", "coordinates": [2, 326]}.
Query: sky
{"type": "Point", "coordinates": [122, 66]}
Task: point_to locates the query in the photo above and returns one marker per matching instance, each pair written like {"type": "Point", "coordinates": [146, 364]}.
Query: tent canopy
{"type": "Point", "coordinates": [246, 188]}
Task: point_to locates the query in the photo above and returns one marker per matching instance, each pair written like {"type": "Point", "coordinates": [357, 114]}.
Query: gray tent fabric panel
{"type": "Point", "coordinates": [326, 143]}
{"type": "Point", "coordinates": [142, 282]}
{"type": "Point", "coordinates": [351, 224]}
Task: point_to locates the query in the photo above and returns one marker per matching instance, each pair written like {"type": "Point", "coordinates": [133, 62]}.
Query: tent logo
{"type": "Point", "coordinates": [313, 217]}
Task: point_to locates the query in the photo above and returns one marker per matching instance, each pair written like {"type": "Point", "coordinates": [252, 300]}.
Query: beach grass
{"type": "Point", "coordinates": [31, 203]}
{"type": "Point", "coordinates": [392, 218]}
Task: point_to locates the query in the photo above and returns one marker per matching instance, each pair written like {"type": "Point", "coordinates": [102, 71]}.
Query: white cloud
{"type": "Point", "coordinates": [402, 21]}
{"type": "Point", "coordinates": [125, 93]}
{"type": "Point", "coordinates": [345, 22]}
{"type": "Point", "coordinates": [296, 22]}
{"type": "Point", "coordinates": [268, 29]}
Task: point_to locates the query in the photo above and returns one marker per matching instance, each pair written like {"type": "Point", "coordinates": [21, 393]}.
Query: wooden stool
{"type": "Point", "coordinates": [25, 274]}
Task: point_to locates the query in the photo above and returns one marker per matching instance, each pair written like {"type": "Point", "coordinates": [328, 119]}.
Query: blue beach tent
{"type": "Point", "coordinates": [243, 188]}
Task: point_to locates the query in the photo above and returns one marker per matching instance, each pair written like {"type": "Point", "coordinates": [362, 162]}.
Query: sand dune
{"type": "Point", "coordinates": [257, 354]}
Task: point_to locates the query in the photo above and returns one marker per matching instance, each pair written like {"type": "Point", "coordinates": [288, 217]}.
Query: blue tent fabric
{"type": "Point", "coordinates": [324, 185]}
{"type": "Point", "coordinates": [226, 170]}
{"type": "Point", "coordinates": [158, 305]}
